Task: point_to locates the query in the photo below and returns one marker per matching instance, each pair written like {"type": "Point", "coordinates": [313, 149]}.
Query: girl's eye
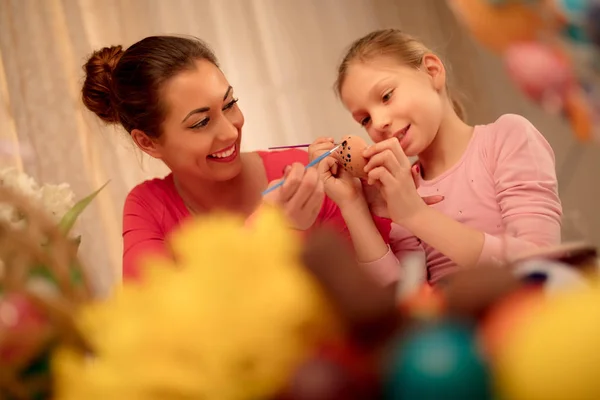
{"type": "Point", "coordinates": [230, 104]}
{"type": "Point", "coordinates": [386, 97]}
{"type": "Point", "coordinates": [201, 124]}
{"type": "Point", "coordinates": [365, 121]}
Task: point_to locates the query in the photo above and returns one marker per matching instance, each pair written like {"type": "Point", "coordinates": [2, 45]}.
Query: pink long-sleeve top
{"type": "Point", "coordinates": [153, 209]}
{"type": "Point", "coordinates": [504, 186]}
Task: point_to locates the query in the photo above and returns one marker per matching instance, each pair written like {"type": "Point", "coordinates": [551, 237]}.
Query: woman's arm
{"type": "Point", "coordinates": [142, 237]}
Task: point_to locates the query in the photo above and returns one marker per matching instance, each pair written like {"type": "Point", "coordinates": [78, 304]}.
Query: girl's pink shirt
{"type": "Point", "coordinates": [504, 185]}
{"type": "Point", "coordinates": [153, 209]}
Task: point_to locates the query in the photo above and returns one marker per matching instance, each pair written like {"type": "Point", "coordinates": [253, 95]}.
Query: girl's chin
{"type": "Point", "coordinates": [410, 153]}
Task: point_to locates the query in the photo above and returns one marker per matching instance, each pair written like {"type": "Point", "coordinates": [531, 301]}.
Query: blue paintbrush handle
{"type": "Point", "coordinates": [310, 164]}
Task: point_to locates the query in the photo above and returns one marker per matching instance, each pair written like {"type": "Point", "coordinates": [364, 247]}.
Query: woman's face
{"type": "Point", "coordinates": [203, 126]}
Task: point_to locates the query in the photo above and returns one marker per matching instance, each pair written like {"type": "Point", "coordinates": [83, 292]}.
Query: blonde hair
{"type": "Point", "coordinates": [393, 43]}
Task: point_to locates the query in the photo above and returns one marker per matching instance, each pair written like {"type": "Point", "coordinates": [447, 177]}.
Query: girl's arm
{"type": "Point", "coordinates": [522, 164]}
{"type": "Point", "coordinates": [381, 260]}
{"type": "Point", "coordinates": [458, 242]}
{"type": "Point", "coordinates": [369, 246]}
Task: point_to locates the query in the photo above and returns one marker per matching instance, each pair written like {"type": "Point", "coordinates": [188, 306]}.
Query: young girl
{"type": "Point", "coordinates": [498, 180]}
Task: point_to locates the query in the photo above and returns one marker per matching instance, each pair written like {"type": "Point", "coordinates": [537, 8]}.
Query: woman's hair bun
{"type": "Point", "coordinates": [97, 93]}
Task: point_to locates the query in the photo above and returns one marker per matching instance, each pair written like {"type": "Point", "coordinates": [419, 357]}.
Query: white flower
{"type": "Point", "coordinates": [8, 213]}
{"type": "Point", "coordinates": [57, 199]}
{"type": "Point", "coordinates": [26, 185]}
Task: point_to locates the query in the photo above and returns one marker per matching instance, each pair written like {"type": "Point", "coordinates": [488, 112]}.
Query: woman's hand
{"type": "Point", "coordinates": [340, 186]}
{"type": "Point", "coordinates": [389, 169]}
{"type": "Point", "coordinates": [300, 197]}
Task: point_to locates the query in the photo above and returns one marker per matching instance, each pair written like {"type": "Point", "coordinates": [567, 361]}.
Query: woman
{"type": "Point", "coordinates": [169, 94]}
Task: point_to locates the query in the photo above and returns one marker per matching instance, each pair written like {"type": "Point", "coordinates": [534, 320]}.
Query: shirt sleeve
{"type": "Point", "coordinates": [142, 236]}
{"type": "Point", "coordinates": [523, 168]}
{"type": "Point", "coordinates": [388, 269]}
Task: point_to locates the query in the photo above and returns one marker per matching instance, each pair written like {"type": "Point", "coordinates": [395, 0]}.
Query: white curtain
{"type": "Point", "coordinates": [280, 55]}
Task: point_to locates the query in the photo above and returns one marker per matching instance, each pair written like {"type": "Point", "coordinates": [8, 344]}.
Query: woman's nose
{"type": "Point", "coordinates": [229, 129]}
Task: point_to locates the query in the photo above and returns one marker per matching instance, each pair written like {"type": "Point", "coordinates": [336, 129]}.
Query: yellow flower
{"type": "Point", "coordinates": [229, 320]}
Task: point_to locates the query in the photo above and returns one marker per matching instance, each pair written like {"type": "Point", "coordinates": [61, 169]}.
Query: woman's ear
{"type": "Point", "coordinates": [434, 67]}
{"type": "Point", "coordinates": [146, 144]}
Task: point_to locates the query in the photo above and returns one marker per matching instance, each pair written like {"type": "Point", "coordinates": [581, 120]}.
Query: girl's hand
{"type": "Point", "coordinates": [378, 205]}
{"type": "Point", "coordinates": [340, 186]}
{"type": "Point", "coordinates": [301, 196]}
{"type": "Point", "coordinates": [390, 170]}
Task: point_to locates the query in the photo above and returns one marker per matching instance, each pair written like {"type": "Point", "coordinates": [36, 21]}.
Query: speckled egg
{"type": "Point", "coordinates": [350, 155]}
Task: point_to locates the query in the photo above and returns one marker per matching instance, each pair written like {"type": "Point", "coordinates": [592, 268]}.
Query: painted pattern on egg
{"type": "Point", "coordinates": [350, 155]}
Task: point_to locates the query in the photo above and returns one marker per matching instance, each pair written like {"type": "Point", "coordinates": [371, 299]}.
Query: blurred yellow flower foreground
{"type": "Point", "coordinates": [230, 319]}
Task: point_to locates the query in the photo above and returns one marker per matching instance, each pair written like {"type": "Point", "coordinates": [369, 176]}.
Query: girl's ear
{"type": "Point", "coordinates": [434, 67]}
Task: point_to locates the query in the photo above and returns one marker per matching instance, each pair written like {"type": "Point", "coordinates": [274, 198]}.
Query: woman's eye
{"type": "Point", "coordinates": [201, 124]}
{"type": "Point", "coordinates": [204, 122]}
{"type": "Point", "coordinates": [365, 121]}
{"type": "Point", "coordinates": [386, 97]}
{"type": "Point", "coordinates": [230, 104]}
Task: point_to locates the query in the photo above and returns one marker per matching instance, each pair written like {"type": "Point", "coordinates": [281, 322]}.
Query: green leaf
{"type": "Point", "coordinates": [69, 219]}
{"type": "Point", "coordinates": [42, 271]}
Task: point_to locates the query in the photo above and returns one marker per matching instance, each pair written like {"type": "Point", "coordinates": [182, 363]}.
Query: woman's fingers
{"type": "Point", "coordinates": [307, 185]}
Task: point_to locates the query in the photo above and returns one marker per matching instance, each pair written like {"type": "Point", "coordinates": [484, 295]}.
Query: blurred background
{"type": "Point", "coordinates": [280, 55]}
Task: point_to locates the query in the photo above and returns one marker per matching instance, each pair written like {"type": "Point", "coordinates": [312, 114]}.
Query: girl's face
{"type": "Point", "coordinates": [392, 100]}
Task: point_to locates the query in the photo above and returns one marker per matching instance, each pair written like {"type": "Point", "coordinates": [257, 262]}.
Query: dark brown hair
{"type": "Point", "coordinates": [125, 86]}
{"type": "Point", "coordinates": [392, 43]}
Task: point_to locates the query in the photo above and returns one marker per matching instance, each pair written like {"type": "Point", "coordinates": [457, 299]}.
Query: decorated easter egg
{"type": "Point", "coordinates": [541, 72]}
{"type": "Point", "coordinates": [437, 361]}
{"type": "Point", "coordinates": [554, 276]}
{"type": "Point", "coordinates": [350, 155]}
{"type": "Point", "coordinates": [24, 329]}
{"type": "Point", "coordinates": [498, 323]}
{"type": "Point", "coordinates": [555, 356]}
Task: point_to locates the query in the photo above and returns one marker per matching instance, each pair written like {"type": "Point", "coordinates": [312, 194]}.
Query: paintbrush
{"type": "Point", "coordinates": [310, 164]}
{"type": "Point", "coordinates": [294, 146]}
